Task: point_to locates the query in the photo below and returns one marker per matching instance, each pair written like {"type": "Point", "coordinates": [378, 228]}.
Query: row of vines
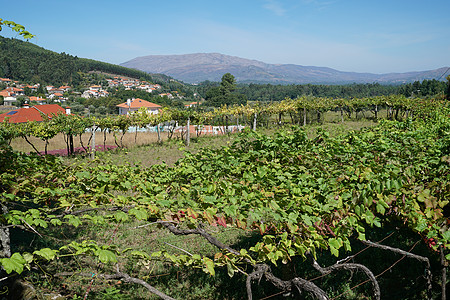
{"type": "Point", "coordinates": [296, 201]}
{"type": "Point", "coordinates": [294, 111]}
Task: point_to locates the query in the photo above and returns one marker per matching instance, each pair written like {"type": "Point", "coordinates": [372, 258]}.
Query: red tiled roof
{"type": "Point", "coordinates": [137, 103]}
{"type": "Point", "coordinates": [23, 115]}
{"type": "Point", "coordinates": [34, 98]}
{"type": "Point", "coordinates": [5, 93]}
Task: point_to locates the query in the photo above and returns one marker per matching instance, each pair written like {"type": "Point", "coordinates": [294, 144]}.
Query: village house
{"type": "Point", "coordinates": [193, 104]}
{"type": "Point", "coordinates": [146, 87]}
{"type": "Point", "coordinates": [133, 105]}
{"type": "Point", "coordinates": [33, 88]}
{"type": "Point", "coordinates": [17, 91]}
{"type": "Point", "coordinates": [64, 88]}
{"type": "Point", "coordinates": [34, 113]}
{"type": "Point", "coordinates": [168, 95]}
{"type": "Point", "coordinates": [10, 95]}
{"type": "Point", "coordinates": [38, 100]}
{"type": "Point", "coordinates": [57, 97]}
{"type": "Point", "coordinates": [57, 91]}
{"type": "Point", "coordinates": [95, 91]}
{"type": "Point", "coordinates": [112, 83]}
{"type": "Point", "coordinates": [5, 80]}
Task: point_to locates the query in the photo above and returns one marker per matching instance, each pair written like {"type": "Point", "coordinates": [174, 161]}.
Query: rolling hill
{"type": "Point", "coordinates": [198, 67]}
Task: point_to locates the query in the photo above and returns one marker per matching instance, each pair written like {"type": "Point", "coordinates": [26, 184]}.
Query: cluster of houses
{"type": "Point", "coordinates": [35, 113]}
{"type": "Point", "coordinates": [130, 84]}
{"type": "Point", "coordinates": [95, 91]}
{"type": "Point", "coordinates": [58, 94]}
{"type": "Point", "coordinates": [15, 90]}
{"type": "Point", "coordinates": [133, 84]}
{"type": "Point", "coordinates": [38, 112]}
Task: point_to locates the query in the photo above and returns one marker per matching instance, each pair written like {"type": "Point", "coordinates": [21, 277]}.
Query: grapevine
{"type": "Point", "coordinates": [302, 196]}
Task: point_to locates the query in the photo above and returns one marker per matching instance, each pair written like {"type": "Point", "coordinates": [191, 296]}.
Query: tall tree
{"type": "Point", "coordinates": [228, 84]}
{"type": "Point", "coordinates": [225, 94]}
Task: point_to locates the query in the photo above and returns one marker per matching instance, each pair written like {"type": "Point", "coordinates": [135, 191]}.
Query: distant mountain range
{"type": "Point", "coordinates": [195, 68]}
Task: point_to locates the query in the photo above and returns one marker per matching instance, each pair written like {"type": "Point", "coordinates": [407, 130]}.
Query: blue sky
{"type": "Point", "coordinates": [376, 36]}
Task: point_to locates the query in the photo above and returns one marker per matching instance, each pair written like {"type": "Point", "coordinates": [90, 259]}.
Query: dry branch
{"type": "Point", "coordinates": [122, 276]}
{"type": "Point", "coordinates": [199, 231]}
{"type": "Point", "coordinates": [428, 275]}
{"type": "Point", "coordinates": [300, 284]}
{"type": "Point", "coordinates": [349, 267]}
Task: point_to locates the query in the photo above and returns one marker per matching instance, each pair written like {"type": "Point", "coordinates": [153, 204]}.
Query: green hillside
{"type": "Point", "coordinates": [25, 61]}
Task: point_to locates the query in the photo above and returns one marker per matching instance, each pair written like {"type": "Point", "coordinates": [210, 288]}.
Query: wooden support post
{"type": "Point", "coordinates": [93, 142]}
{"type": "Point", "coordinates": [304, 116]}
{"type": "Point", "coordinates": [159, 133]}
{"type": "Point", "coordinates": [188, 138]}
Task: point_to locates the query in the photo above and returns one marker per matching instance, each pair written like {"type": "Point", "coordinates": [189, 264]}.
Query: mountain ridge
{"type": "Point", "coordinates": [197, 67]}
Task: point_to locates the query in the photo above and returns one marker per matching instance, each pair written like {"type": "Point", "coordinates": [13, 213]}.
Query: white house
{"type": "Point", "coordinates": [133, 105]}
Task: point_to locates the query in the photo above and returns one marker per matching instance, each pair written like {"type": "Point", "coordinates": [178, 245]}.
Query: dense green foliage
{"type": "Point", "coordinates": [24, 61]}
{"type": "Point", "coordinates": [426, 88]}
{"type": "Point", "coordinates": [225, 93]}
{"type": "Point", "coordinates": [305, 198]}
{"type": "Point", "coordinates": [269, 92]}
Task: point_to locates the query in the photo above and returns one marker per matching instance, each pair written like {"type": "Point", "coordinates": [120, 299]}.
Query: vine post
{"type": "Point", "coordinates": [158, 130]}
{"type": "Point", "coordinates": [188, 137]}
{"type": "Point", "coordinates": [93, 142]}
{"type": "Point", "coordinates": [304, 116]}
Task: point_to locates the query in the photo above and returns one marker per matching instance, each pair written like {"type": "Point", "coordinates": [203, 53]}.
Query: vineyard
{"type": "Point", "coordinates": [299, 111]}
{"type": "Point", "coordinates": [362, 215]}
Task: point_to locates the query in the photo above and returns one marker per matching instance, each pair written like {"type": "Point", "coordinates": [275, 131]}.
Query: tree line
{"type": "Point", "coordinates": [270, 92]}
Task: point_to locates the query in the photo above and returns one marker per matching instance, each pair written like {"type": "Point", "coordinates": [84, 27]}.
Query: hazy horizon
{"type": "Point", "coordinates": [352, 36]}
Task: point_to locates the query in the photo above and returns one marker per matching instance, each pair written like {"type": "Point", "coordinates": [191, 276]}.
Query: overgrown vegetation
{"type": "Point", "coordinates": [360, 215]}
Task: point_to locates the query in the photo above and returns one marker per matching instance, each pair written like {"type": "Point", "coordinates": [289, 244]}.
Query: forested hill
{"type": "Point", "coordinates": [24, 61]}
